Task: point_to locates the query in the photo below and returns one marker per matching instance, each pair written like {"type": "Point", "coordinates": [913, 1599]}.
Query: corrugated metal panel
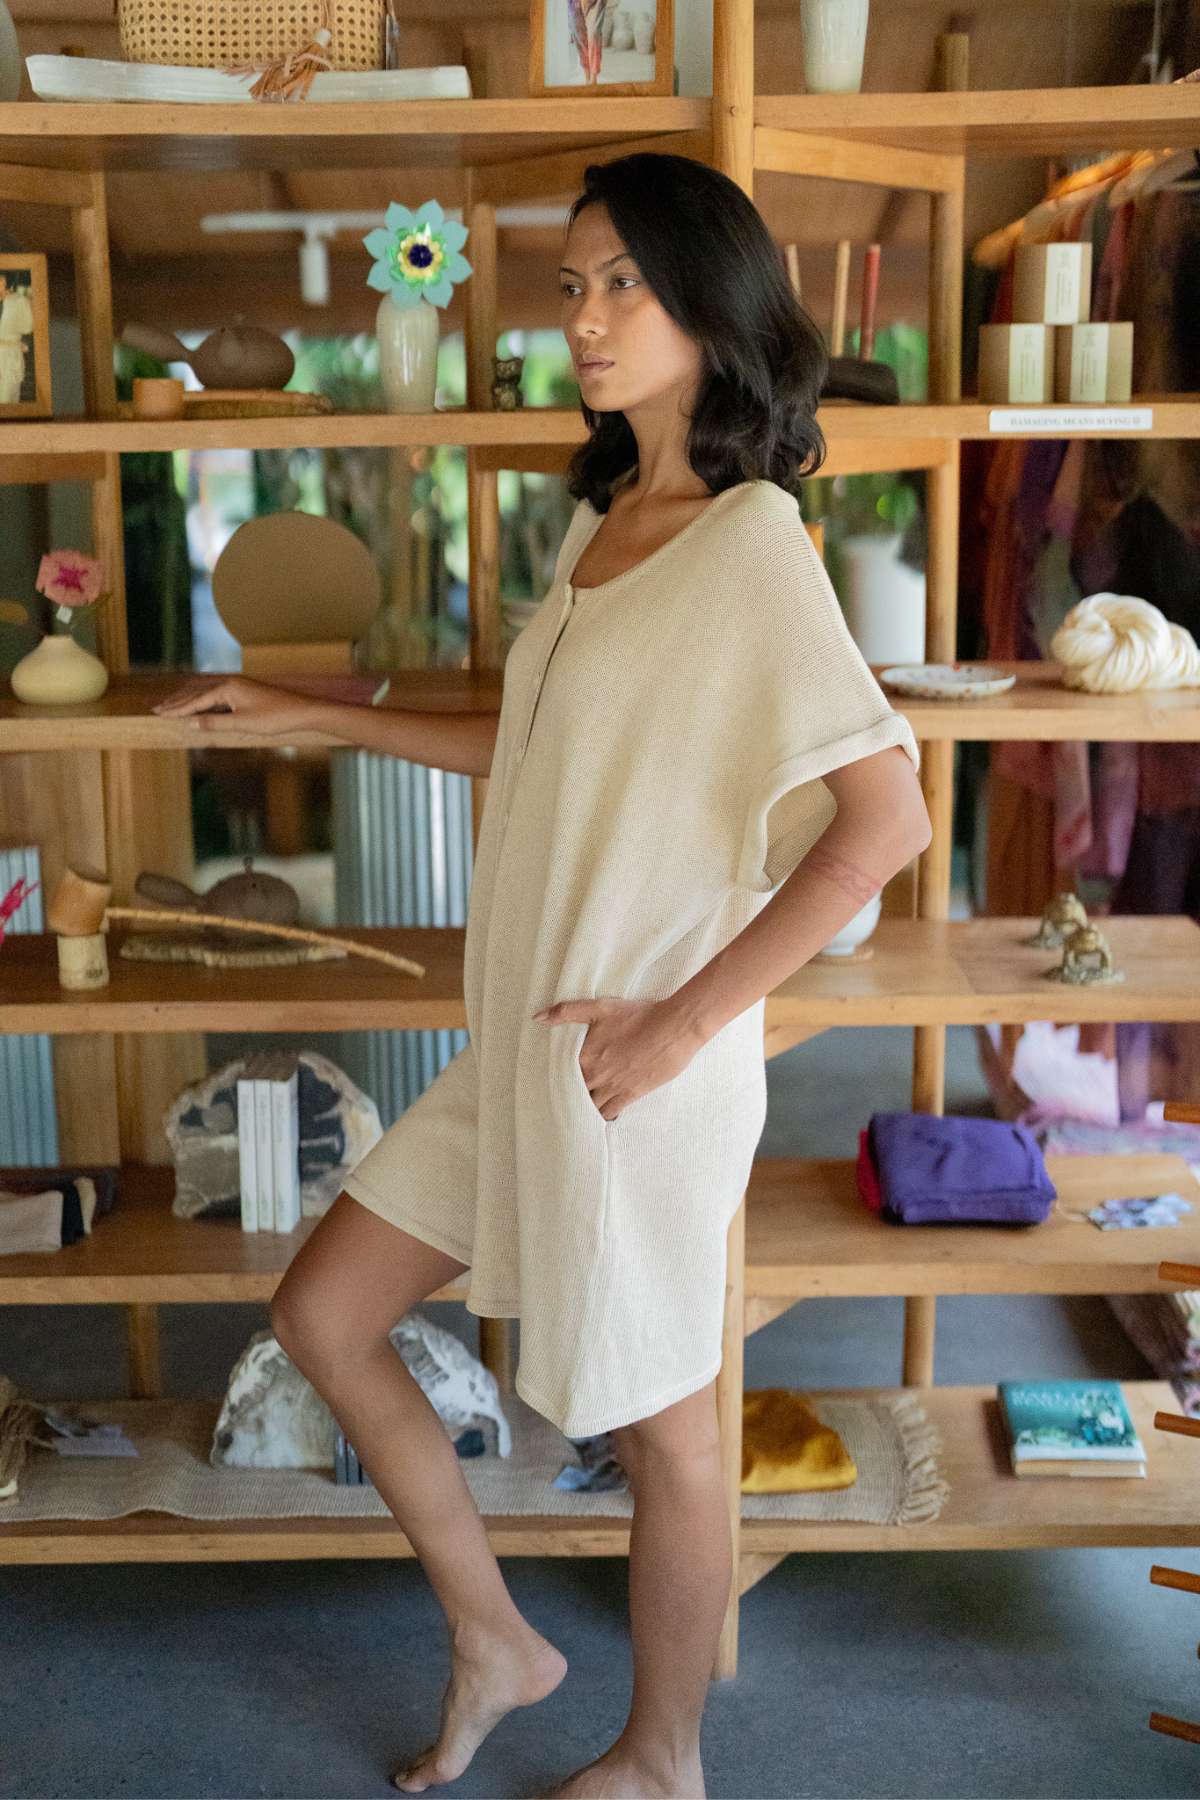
{"type": "Point", "coordinates": [402, 856]}
{"type": "Point", "coordinates": [28, 1114]}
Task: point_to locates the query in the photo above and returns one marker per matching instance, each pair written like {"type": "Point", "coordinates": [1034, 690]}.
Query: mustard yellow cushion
{"type": "Point", "coordinates": [785, 1447]}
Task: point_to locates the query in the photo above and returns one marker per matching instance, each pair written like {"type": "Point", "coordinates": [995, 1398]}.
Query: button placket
{"type": "Point", "coordinates": [562, 619]}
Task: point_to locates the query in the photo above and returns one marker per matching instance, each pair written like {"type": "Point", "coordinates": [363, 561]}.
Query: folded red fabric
{"type": "Point", "coordinates": [868, 1175]}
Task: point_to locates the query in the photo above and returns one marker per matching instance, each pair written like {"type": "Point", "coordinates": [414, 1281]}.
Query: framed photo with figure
{"type": "Point", "coordinates": [601, 47]}
{"type": "Point", "coordinates": [24, 336]}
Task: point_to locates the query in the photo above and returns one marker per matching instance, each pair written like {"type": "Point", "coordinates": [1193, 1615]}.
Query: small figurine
{"type": "Point", "coordinates": [1086, 958]}
{"type": "Point", "coordinates": [506, 389]}
{"type": "Point", "coordinates": [1064, 913]}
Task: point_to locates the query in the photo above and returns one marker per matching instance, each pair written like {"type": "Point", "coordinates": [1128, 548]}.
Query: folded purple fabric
{"type": "Point", "coordinates": [939, 1170]}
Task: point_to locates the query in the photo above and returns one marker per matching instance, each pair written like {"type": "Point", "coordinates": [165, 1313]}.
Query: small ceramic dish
{"type": "Point", "coordinates": [947, 681]}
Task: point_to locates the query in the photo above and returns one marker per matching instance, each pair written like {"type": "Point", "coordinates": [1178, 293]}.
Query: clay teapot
{"type": "Point", "coordinates": [251, 895]}
{"type": "Point", "coordinates": [236, 356]}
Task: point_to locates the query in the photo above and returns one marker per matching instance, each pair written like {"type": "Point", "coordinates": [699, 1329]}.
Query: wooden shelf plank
{"type": "Point", "coordinates": [122, 718]}
{"type": "Point", "coordinates": [341, 995]}
{"type": "Point", "coordinates": [857, 436]}
{"type": "Point", "coordinates": [979, 971]}
{"type": "Point", "coordinates": [1039, 707]}
{"type": "Point", "coordinates": [808, 1235]}
{"type": "Point", "coordinates": [990, 1508]}
{"type": "Point", "coordinates": [999, 121]}
{"type": "Point", "coordinates": [461, 133]}
{"type": "Point", "coordinates": [143, 1252]}
{"type": "Point", "coordinates": [987, 1508]}
{"type": "Point", "coordinates": [398, 134]}
{"type": "Point", "coordinates": [922, 971]}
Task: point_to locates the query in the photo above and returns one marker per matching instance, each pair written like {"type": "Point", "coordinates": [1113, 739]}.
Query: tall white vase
{"type": "Point", "coordinates": [10, 56]}
{"type": "Point", "coordinates": [408, 347]}
{"type": "Point", "coordinates": [884, 600]}
{"type": "Point", "coordinates": [835, 34]}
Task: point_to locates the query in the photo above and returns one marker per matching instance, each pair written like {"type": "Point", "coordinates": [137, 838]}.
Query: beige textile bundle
{"type": "Point", "coordinates": [1115, 643]}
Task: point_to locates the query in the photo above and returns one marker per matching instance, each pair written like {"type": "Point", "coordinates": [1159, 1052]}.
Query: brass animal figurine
{"type": "Point", "coordinates": [1086, 958]}
{"type": "Point", "coordinates": [506, 380]}
{"type": "Point", "coordinates": [1064, 913]}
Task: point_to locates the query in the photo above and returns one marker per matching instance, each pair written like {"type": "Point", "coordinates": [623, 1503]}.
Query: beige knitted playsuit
{"type": "Point", "coordinates": [656, 776]}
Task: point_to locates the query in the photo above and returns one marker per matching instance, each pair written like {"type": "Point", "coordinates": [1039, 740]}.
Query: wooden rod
{"type": "Point", "coordinates": [1182, 1579]}
{"type": "Point", "coordinates": [870, 294]}
{"type": "Point", "coordinates": [1184, 1112]}
{"type": "Point", "coordinates": [1180, 1728]}
{"type": "Point", "coordinates": [791, 257]}
{"type": "Point", "coordinates": [168, 916]}
{"type": "Point", "coordinates": [1188, 1273]}
{"type": "Point", "coordinates": [1180, 1422]}
{"type": "Point", "coordinates": [841, 293]}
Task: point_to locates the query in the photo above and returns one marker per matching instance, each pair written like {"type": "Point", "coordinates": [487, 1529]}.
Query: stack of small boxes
{"type": "Point", "coordinates": [1052, 351]}
{"type": "Point", "coordinates": [268, 1113]}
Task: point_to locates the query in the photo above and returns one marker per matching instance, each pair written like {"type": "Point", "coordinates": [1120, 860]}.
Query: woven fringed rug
{"type": "Point", "coordinates": [889, 1437]}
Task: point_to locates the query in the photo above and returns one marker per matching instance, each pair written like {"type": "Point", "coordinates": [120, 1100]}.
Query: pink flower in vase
{"type": "Point", "coordinates": [15, 897]}
{"type": "Point", "coordinates": [71, 579]}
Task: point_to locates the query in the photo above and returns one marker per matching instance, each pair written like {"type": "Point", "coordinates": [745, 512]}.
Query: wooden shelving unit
{"type": "Point", "coordinates": [118, 773]}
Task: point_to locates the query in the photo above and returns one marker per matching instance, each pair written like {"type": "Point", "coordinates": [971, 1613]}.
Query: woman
{"type": "Point", "coordinates": [685, 722]}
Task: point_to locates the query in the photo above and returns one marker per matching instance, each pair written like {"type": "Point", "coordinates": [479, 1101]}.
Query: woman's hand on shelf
{"type": "Point", "coordinates": [237, 703]}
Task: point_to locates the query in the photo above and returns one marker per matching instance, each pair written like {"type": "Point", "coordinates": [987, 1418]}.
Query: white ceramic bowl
{"type": "Point", "coordinates": [857, 930]}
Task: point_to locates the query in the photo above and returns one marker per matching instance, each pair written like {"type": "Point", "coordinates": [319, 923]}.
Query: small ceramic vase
{"type": "Point", "coordinates": [408, 347]}
{"type": "Point", "coordinates": [59, 672]}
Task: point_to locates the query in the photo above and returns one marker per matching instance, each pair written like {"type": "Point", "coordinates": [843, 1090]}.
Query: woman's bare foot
{"type": "Point", "coordinates": [489, 1676]}
{"type": "Point", "coordinates": [619, 1775]}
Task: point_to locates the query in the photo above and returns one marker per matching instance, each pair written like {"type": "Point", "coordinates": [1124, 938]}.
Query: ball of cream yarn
{"type": "Point", "coordinates": [1114, 643]}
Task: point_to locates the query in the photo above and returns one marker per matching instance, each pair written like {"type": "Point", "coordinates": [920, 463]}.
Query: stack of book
{"type": "Point", "coordinates": [1070, 1428]}
{"type": "Point", "coordinates": [268, 1097]}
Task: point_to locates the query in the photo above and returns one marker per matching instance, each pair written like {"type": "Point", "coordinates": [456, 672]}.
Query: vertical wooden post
{"type": "Point", "coordinates": [733, 154]}
{"type": "Point", "coordinates": [483, 577]}
{"type": "Point", "coordinates": [941, 626]}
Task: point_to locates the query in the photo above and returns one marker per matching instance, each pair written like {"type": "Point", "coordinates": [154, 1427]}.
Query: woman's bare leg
{"type": "Point", "coordinates": [348, 1284]}
{"type": "Point", "coordinates": [680, 1571]}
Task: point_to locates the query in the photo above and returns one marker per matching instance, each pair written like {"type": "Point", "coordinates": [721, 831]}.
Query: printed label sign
{"type": "Point", "coordinates": [1059, 419]}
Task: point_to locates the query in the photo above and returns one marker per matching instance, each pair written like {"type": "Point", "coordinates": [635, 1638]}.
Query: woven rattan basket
{"type": "Point", "coordinates": [226, 34]}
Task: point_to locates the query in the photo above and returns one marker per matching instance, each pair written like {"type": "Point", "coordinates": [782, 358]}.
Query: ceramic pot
{"type": "Point", "coordinates": [59, 672]}
{"type": "Point", "coordinates": [835, 33]}
{"type": "Point", "coordinates": [408, 347]}
{"type": "Point", "coordinates": [857, 930]}
{"type": "Point", "coordinates": [10, 56]}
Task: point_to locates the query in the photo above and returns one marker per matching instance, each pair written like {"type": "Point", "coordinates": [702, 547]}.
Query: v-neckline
{"type": "Point", "coordinates": [637, 567]}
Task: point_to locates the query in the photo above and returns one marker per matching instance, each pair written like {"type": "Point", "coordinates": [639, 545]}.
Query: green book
{"type": "Point", "coordinates": [1070, 1428]}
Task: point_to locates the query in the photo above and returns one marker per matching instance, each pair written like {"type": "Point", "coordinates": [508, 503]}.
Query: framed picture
{"type": "Point", "coordinates": [601, 47]}
{"type": "Point", "coordinates": [24, 336]}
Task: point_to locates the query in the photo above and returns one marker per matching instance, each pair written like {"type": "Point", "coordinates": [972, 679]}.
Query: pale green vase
{"type": "Point", "coordinates": [59, 672]}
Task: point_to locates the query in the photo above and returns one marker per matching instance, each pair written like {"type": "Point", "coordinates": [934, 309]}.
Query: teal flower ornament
{"type": "Point", "coordinates": [417, 255]}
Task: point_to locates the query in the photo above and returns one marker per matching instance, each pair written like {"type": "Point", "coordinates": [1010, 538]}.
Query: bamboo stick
{"type": "Point", "coordinates": [841, 291]}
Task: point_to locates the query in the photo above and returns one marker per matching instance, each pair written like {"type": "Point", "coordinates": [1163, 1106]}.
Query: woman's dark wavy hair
{"type": "Point", "coordinates": [705, 250]}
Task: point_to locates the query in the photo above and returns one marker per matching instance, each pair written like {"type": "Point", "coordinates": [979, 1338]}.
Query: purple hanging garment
{"type": "Point", "coordinates": [936, 1170]}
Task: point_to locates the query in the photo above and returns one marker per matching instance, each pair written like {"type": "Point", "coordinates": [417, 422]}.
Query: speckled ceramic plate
{"type": "Point", "coordinates": [947, 681]}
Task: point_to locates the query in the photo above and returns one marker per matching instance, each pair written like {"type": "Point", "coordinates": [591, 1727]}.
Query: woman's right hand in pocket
{"type": "Point", "coordinates": [237, 703]}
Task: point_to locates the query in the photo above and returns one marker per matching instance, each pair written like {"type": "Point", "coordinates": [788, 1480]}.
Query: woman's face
{"type": "Point", "coordinates": [610, 312]}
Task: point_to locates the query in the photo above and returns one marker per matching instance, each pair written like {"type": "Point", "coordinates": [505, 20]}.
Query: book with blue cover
{"type": "Point", "coordinates": [1070, 1428]}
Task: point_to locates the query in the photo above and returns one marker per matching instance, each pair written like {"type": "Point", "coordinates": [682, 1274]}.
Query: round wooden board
{"type": "Point", "coordinates": [294, 578]}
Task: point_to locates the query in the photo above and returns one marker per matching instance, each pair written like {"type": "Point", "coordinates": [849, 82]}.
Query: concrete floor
{"type": "Point", "coordinates": [927, 1675]}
